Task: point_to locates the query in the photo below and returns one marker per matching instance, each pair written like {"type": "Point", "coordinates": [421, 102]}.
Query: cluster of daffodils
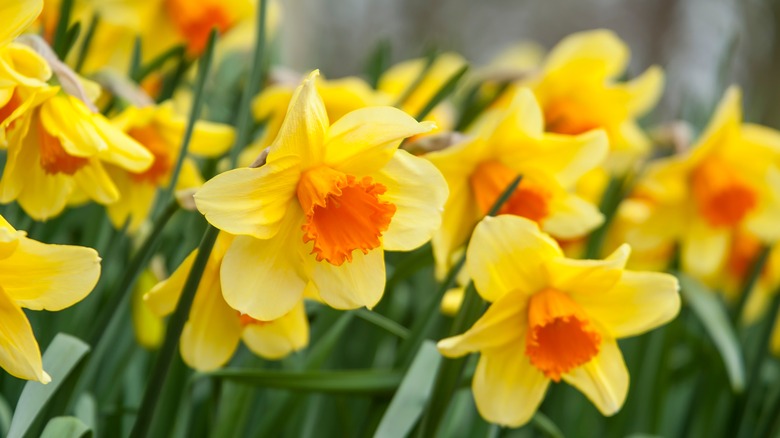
{"type": "Point", "coordinates": [340, 172]}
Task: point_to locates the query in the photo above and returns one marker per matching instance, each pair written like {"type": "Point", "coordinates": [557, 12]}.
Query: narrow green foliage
{"type": "Point", "coordinates": [442, 93]}
{"type": "Point", "coordinates": [60, 39]}
{"type": "Point", "coordinates": [86, 43]}
{"type": "Point", "coordinates": [66, 427]}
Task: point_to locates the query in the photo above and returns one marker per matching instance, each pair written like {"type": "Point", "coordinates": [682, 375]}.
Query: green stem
{"type": "Point", "coordinates": [446, 89]}
{"type": "Point", "coordinates": [197, 105]}
{"type": "Point", "coordinates": [383, 322]}
{"type": "Point", "coordinates": [244, 122]}
{"type": "Point", "coordinates": [175, 327]}
{"type": "Point", "coordinates": [60, 40]}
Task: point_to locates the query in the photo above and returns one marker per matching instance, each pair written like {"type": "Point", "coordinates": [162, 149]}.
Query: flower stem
{"type": "Point", "coordinates": [175, 327]}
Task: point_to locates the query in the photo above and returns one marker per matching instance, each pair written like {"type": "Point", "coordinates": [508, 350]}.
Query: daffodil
{"type": "Point", "coordinates": [578, 90]}
{"type": "Point", "coordinates": [37, 276]}
{"type": "Point", "coordinates": [340, 96]}
{"type": "Point", "coordinates": [552, 318]}
{"type": "Point", "coordinates": [729, 181]}
{"type": "Point", "coordinates": [160, 130]}
{"type": "Point", "coordinates": [60, 149]}
{"type": "Point", "coordinates": [214, 329]}
{"type": "Point", "coordinates": [324, 207]}
{"type": "Point", "coordinates": [506, 143]}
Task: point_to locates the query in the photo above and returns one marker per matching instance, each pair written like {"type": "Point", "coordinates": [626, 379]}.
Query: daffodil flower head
{"type": "Point", "coordinates": [214, 329]}
{"type": "Point", "coordinates": [578, 91]}
{"type": "Point", "coordinates": [17, 16]}
{"type": "Point", "coordinates": [503, 144]}
{"type": "Point", "coordinates": [37, 276]}
{"type": "Point", "coordinates": [552, 318]}
{"type": "Point", "coordinates": [727, 182]}
{"type": "Point", "coordinates": [323, 208]}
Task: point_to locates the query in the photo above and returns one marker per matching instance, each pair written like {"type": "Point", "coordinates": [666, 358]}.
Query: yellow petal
{"type": "Point", "coordinates": [451, 301]}
{"type": "Point", "coordinates": [264, 278]}
{"type": "Point", "coordinates": [42, 195]}
{"type": "Point", "coordinates": [521, 119]}
{"type": "Point", "coordinates": [276, 339]}
{"type": "Point", "coordinates": [209, 139]}
{"type": "Point", "coordinates": [68, 119]}
{"type": "Point", "coordinates": [458, 220]}
{"type": "Point", "coordinates": [604, 380]}
{"type": "Point", "coordinates": [19, 352]}
{"type": "Point", "coordinates": [571, 217]}
{"type": "Point", "coordinates": [164, 295]}
{"type": "Point", "coordinates": [507, 388]}
{"type": "Point", "coordinates": [704, 249]}
{"type": "Point", "coordinates": [359, 283]}
{"type": "Point", "coordinates": [763, 222]}
{"type": "Point", "coordinates": [303, 131]}
{"type": "Point", "coordinates": [136, 200]}
{"type": "Point", "coordinates": [724, 124]}
{"type": "Point", "coordinates": [213, 330]}
{"type": "Point", "coordinates": [503, 325]}
{"type": "Point", "coordinates": [601, 48]}
{"type": "Point", "coordinates": [565, 157]}
{"type": "Point", "coordinates": [149, 328]}
{"type": "Point", "coordinates": [418, 191]}
{"type": "Point", "coordinates": [24, 66]}
{"type": "Point", "coordinates": [95, 182]}
{"type": "Point", "coordinates": [364, 140]}
{"type": "Point", "coordinates": [17, 16]}
{"type": "Point", "coordinates": [506, 254]}
{"type": "Point", "coordinates": [587, 277]}
{"type": "Point", "coordinates": [250, 201]}
{"type": "Point", "coordinates": [49, 277]}
{"type": "Point", "coordinates": [644, 90]}
{"type": "Point", "coordinates": [121, 149]}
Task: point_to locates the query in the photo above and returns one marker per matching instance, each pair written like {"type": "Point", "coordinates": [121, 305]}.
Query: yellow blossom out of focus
{"type": "Point", "coordinates": [552, 318]}
{"type": "Point", "coordinates": [503, 144]}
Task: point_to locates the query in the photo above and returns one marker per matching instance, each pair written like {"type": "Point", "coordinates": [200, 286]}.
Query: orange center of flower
{"type": "Point", "coordinates": [566, 117]}
{"type": "Point", "coordinates": [10, 106]}
{"type": "Point", "coordinates": [343, 213]}
{"type": "Point", "coordinates": [560, 336]}
{"type": "Point", "coordinates": [162, 164]}
{"type": "Point", "coordinates": [723, 197]}
{"type": "Point", "coordinates": [246, 320]}
{"type": "Point", "coordinates": [54, 158]}
{"type": "Point", "coordinates": [195, 19]}
{"type": "Point", "coordinates": [491, 178]}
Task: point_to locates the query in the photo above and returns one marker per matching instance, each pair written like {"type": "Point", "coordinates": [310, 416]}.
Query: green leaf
{"type": "Point", "coordinates": [59, 360]}
{"type": "Point", "coordinates": [86, 411]}
{"type": "Point", "coordinates": [713, 317]}
{"type": "Point", "coordinates": [412, 396]}
{"type": "Point", "coordinates": [334, 382]}
{"type": "Point", "coordinates": [443, 92]}
{"type": "Point", "coordinates": [5, 416]}
{"type": "Point", "coordinates": [66, 427]}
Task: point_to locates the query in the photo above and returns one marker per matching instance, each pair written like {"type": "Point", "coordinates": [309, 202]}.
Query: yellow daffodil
{"type": "Point", "coordinates": [160, 131]}
{"type": "Point", "coordinates": [578, 91]}
{"type": "Point", "coordinates": [324, 207]}
{"type": "Point", "coordinates": [552, 318]}
{"type": "Point", "coordinates": [61, 148]}
{"type": "Point", "coordinates": [729, 181]}
{"type": "Point", "coordinates": [340, 96]}
{"type": "Point", "coordinates": [398, 79]}
{"type": "Point", "coordinates": [37, 276]}
{"type": "Point", "coordinates": [506, 143]}
{"type": "Point", "coordinates": [212, 333]}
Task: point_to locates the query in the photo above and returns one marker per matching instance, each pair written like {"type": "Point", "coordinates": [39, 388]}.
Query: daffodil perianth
{"type": "Point", "coordinates": [578, 91]}
{"type": "Point", "coordinates": [37, 276]}
{"type": "Point", "coordinates": [17, 16]}
{"type": "Point", "coordinates": [322, 210]}
{"type": "Point", "coordinates": [160, 131]}
{"type": "Point", "coordinates": [503, 144]}
{"type": "Point", "coordinates": [727, 182]}
{"type": "Point", "coordinates": [552, 318]}
{"type": "Point", "coordinates": [214, 329]}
